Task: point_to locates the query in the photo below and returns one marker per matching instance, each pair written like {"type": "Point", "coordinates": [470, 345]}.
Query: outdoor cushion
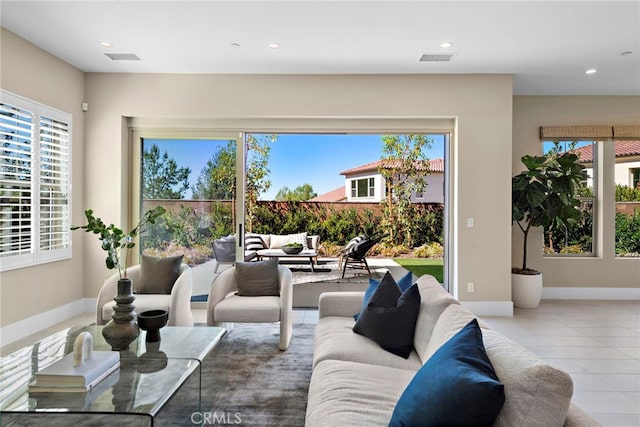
{"type": "Point", "coordinates": [253, 242]}
{"type": "Point", "coordinates": [390, 316]}
{"type": "Point", "coordinates": [457, 386]}
{"type": "Point", "coordinates": [258, 278]}
{"type": "Point", "coordinates": [299, 238]}
{"type": "Point", "coordinates": [278, 241]}
{"type": "Point", "coordinates": [157, 275]}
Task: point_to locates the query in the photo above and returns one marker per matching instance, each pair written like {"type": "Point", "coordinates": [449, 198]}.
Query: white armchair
{"type": "Point", "coordinates": [225, 306]}
{"type": "Point", "coordinates": [178, 303]}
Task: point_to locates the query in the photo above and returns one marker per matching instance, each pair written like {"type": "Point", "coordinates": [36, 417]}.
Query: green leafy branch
{"type": "Point", "coordinates": [115, 240]}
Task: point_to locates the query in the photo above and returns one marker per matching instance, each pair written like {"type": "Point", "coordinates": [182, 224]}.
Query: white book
{"type": "Point", "coordinates": [63, 375]}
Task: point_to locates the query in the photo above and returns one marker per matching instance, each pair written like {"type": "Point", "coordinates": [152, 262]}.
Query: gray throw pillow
{"type": "Point", "coordinates": [158, 275]}
{"type": "Point", "coordinates": [256, 279]}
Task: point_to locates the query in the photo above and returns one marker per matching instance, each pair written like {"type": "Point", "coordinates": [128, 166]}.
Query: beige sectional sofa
{"type": "Point", "coordinates": [357, 383]}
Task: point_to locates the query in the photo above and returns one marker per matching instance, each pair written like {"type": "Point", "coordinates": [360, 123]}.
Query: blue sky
{"type": "Point", "coordinates": [296, 159]}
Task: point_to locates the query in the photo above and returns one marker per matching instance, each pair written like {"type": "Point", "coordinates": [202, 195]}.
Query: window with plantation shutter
{"type": "Point", "coordinates": [35, 179]}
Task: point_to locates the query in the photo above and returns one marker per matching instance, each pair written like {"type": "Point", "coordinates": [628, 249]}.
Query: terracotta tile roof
{"type": "Point", "coordinates": [435, 166]}
{"type": "Point", "coordinates": [336, 195]}
{"type": "Point", "coordinates": [623, 149]}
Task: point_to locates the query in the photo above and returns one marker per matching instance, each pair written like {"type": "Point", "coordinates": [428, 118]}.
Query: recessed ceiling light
{"type": "Point", "coordinates": [591, 71]}
{"type": "Point", "coordinates": [235, 44]}
{"type": "Point", "coordinates": [106, 44]}
{"type": "Point", "coordinates": [446, 44]}
{"type": "Point", "coordinates": [274, 45]}
{"type": "Point", "coordinates": [626, 53]}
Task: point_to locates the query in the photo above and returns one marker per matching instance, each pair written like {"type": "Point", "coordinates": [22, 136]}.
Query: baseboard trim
{"type": "Point", "coordinates": [591, 293]}
{"type": "Point", "coordinates": [490, 308]}
{"type": "Point", "coordinates": [34, 324]}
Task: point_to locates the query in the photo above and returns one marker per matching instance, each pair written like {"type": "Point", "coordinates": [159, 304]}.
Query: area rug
{"type": "Point", "coordinates": [247, 381]}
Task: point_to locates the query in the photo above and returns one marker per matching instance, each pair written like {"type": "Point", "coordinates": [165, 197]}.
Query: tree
{"type": "Point", "coordinates": [301, 193]}
{"type": "Point", "coordinates": [404, 167]}
{"type": "Point", "coordinates": [161, 176]}
{"type": "Point", "coordinates": [217, 180]}
{"type": "Point", "coordinates": [257, 151]}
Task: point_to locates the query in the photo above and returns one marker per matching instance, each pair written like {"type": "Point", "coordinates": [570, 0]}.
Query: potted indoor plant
{"type": "Point", "coordinates": [122, 329]}
{"type": "Point", "coordinates": [543, 196]}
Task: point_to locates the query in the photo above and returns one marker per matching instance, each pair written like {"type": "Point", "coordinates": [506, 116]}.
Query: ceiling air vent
{"type": "Point", "coordinates": [123, 56]}
{"type": "Point", "coordinates": [436, 57]}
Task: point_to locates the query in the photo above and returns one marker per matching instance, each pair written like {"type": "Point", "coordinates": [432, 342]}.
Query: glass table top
{"type": "Point", "coordinates": [149, 373]}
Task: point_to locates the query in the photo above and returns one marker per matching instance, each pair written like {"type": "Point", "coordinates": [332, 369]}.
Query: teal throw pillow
{"type": "Point", "coordinates": [457, 386]}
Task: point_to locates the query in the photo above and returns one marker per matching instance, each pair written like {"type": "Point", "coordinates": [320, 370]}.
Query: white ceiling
{"type": "Point", "coordinates": [547, 46]}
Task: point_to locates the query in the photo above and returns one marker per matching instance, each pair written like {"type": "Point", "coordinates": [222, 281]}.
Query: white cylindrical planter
{"type": "Point", "coordinates": [526, 290]}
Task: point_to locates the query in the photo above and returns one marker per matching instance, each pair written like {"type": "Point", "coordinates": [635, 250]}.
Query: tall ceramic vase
{"type": "Point", "coordinates": [122, 329]}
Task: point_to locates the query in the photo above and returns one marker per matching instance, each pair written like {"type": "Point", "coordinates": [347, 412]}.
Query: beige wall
{"type": "Point", "coordinates": [480, 103]}
{"type": "Point", "coordinates": [29, 72]}
{"type": "Point", "coordinates": [604, 270]}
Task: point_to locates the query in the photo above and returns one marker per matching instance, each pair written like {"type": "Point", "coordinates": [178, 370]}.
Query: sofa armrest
{"type": "Point", "coordinates": [344, 304]}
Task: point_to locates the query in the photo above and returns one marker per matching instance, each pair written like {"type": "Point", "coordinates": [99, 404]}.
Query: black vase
{"type": "Point", "coordinates": [122, 329]}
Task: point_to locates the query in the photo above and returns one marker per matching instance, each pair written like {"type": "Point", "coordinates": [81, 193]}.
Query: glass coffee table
{"type": "Point", "coordinates": [141, 392]}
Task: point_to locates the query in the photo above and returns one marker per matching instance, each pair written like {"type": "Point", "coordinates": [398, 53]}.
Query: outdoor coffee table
{"type": "Point", "coordinates": [149, 377]}
{"type": "Point", "coordinates": [279, 253]}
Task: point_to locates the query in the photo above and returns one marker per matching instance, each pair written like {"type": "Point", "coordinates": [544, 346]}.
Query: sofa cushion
{"type": "Point", "coordinates": [258, 278]}
{"type": "Point", "coordinates": [403, 283]}
{"type": "Point", "coordinates": [457, 386]}
{"type": "Point", "coordinates": [434, 300]}
{"type": "Point", "coordinates": [335, 340]}
{"type": "Point", "coordinates": [253, 242]}
{"type": "Point", "coordinates": [451, 321]}
{"type": "Point", "coordinates": [157, 275]}
{"type": "Point", "coordinates": [537, 394]}
{"type": "Point", "coordinates": [349, 394]}
{"type": "Point", "coordinates": [278, 241]}
{"type": "Point", "coordinates": [299, 238]}
{"type": "Point", "coordinates": [389, 318]}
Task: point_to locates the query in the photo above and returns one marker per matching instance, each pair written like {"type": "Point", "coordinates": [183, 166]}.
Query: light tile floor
{"type": "Point", "coordinates": [596, 342]}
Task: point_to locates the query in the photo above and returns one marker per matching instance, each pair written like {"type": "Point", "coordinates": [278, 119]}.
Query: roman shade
{"type": "Point", "coordinates": [590, 132]}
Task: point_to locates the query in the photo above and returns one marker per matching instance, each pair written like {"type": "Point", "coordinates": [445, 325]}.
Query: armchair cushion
{"type": "Point", "coordinates": [157, 275]}
{"type": "Point", "coordinates": [258, 278]}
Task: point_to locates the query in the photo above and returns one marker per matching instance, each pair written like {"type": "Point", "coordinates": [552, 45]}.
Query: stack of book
{"type": "Point", "coordinates": [62, 376]}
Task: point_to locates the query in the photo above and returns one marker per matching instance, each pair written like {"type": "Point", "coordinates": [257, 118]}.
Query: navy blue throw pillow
{"type": "Point", "coordinates": [457, 386]}
{"type": "Point", "coordinates": [403, 283]}
{"type": "Point", "coordinates": [389, 318]}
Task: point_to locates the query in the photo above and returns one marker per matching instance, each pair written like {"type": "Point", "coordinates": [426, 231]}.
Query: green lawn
{"type": "Point", "coordinates": [420, 266]}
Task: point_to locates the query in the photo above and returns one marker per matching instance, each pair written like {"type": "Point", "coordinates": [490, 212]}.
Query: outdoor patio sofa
{"type": "Point", "coordinates": [355, 382]}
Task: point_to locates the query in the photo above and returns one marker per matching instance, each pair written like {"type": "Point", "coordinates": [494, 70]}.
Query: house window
{"type": "Point", "coordinates": [35, 178]}
{"type": "Point", "coordinates": [635, 178]}
{"type": "Point", "coordinates": [577, 238]}
{"type": "Point", "coordinates": [362, 188]}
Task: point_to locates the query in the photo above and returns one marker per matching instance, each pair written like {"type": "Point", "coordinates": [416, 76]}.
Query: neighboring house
{"type": "Point", "coordinates": [627, 167]}
{"type": "Point", "coordinates": [366, 184]}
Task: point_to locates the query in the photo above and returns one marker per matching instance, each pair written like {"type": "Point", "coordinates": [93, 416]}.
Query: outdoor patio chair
{"type": "Point", "coordinates": [355, 258]}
